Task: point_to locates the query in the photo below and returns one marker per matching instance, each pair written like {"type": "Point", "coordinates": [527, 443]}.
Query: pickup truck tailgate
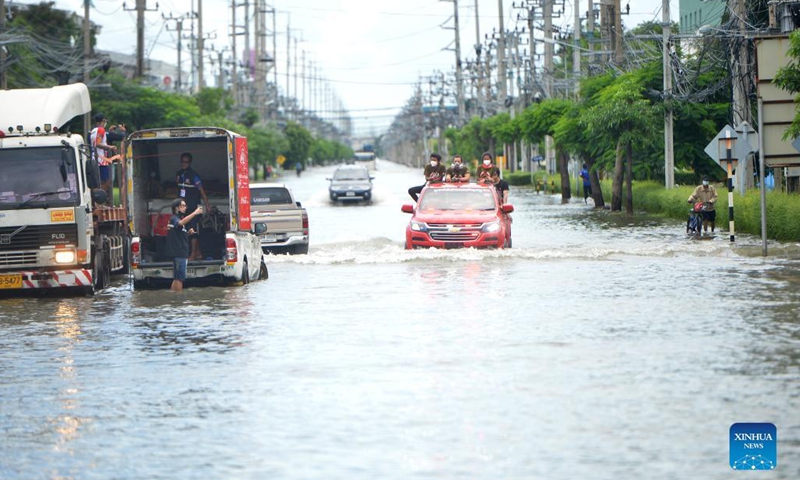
{"type": "Point", "coordinates": [279, 220]}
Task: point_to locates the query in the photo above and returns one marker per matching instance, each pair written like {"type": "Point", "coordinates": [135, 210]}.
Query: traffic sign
{"type": "Point", "coordinates": [740, 147]}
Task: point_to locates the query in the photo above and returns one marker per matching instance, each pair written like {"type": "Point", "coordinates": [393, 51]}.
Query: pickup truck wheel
{"type": "Point", "coordinates": [301, 249]}
{"type": "Point", "coordinates": [245, 273]}
{"type": "Point", "coordinates": [263, 273]}
{"type": "Point", "coordinates": [408, 245]}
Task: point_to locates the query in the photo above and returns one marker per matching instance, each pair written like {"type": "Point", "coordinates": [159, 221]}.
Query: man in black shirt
{"type": "Point", "coordinates": [178, 241]}
{"type": "Point", "coordinates": [501, 186]}
{"type": "Point", "coordinates": [190, 188]}
{"type": "Point", "coordinates": [435, 172]}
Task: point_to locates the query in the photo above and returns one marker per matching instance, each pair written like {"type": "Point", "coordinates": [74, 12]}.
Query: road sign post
{"type": "Point", "coordinates": [727, 144]}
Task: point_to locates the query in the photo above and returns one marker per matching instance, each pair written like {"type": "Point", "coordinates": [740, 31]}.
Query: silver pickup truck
{"type": "Point", "coordinates": [280, 222]}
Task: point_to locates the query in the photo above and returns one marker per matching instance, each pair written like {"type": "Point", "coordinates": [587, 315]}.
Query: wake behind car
{"type": "Point", "coordinates": [351, 183]}
{"type": "Point", "coordinates": [458, 215]}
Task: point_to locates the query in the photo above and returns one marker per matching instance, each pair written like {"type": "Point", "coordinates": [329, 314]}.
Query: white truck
{"type": "Point", "coordinates": [55, 232]}
{"type": "Point", "coordinates": [279, 220]}
{"type": "Point", "coordinates": [231, 252]}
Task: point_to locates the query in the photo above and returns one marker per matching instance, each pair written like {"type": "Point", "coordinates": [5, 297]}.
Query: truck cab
{"type": "Point", "coordinates": [231, 252]}
{"type": "Point", "coordinates": [57, 229]}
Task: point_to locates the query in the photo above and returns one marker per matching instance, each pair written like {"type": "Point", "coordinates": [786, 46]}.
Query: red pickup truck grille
{"type": "Point", "coordinates": [454, 232]}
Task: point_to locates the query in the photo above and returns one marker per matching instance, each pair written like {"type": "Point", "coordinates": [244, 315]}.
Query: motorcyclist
{"type": "Point", "coordinates": [707, 194]}
{"type": "Point", "coordinates": [458, 172]}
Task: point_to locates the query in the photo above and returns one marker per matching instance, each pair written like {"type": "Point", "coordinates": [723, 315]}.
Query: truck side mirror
{"type": "Point", "coordinates": [298, 204]}
{"type": "Point", "coordinates": [261, 228]}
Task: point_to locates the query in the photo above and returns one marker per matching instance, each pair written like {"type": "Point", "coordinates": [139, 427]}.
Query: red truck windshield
{"type": "Point", "coordinates": [457, 199]}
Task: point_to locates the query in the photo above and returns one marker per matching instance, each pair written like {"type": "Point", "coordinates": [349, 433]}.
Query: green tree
{"type": "Point", "coordinates": [298, 144]}
{"type": "Point", "coordinates": [539, 121]}
{"type": "Point", "coordinates": [788, 78]}
{"type": "Point", "coordinates": [623, 115]}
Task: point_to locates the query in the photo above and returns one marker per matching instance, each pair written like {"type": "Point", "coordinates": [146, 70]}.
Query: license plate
{"type": "Point", "coordinates": [269, 238]}
{"type": "Point", "coordinates": [191, 272]}
{"type": "Point", "coordinates": [453, 245]}
{"type": "Point", "coordinates": [11, 281]}
{"type": "Point", "coordinates": [351, 194]}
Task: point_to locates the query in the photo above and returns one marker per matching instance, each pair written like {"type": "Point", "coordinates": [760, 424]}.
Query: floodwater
{"type": "Point", "coordinates": [599, 347]}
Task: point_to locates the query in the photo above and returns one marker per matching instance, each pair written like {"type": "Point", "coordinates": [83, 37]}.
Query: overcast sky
{"type": "Point", "coordinates": [371, 51]}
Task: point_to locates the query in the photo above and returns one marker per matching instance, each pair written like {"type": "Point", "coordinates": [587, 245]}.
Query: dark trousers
{"type": "Point", "coordinates": [587, 191]}
{"type": "Point", "coordinates": [415, 191]}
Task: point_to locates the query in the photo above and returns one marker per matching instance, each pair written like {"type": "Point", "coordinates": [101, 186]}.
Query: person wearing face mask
{"type": "Point", "coordinates": [434, 172]}
{"type": "Point", "coordinates": [486, 168]}
{"type": "Point", "coordinates": [708, 195]}
{"type": "Point", "coordinates": [458, 172]}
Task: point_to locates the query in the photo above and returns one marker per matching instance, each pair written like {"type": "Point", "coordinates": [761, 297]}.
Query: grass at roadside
{"type": "Point", "coordinates": [783, 211]}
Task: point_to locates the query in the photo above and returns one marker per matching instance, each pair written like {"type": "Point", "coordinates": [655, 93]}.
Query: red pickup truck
{"type": "Point", "coordinates": [459, 215]}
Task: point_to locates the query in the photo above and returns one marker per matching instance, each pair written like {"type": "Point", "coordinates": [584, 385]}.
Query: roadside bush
{"type": "Point", "coordinates": [517, 178]}
{"type": "Point", "coordinates": [783, 210]}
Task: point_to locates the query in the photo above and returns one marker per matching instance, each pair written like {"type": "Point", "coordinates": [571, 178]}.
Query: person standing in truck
{"type": "Point", "coordinates": [102, 152]}
{"type": "Point", "coordinates": [190, 189]}
{"type": "Point", "coordinates": [178, 241]}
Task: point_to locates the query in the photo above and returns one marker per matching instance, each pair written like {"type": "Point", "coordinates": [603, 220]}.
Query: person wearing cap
{"type": "Point", "coordinates": [707, 194]}
{"type": "Point", "coordinates": [486, 169]}
{"type": "Point", "coordinates": [101, 150]}
{"type": "Point", "coordinates": [178, 241]}
{"type": "Point", "coordinates": [434, 172]}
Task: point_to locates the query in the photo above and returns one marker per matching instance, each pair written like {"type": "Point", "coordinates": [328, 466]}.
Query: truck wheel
{"type": "Point", "coordinates": [139, 284]}
{"type": "Point", "coordinates": [301, 249]}
{"type": "Point", "coordinates": [102, 266]}
{"type": "Point", "coordinates": [263, 273]}
{"type": "Point", "coordinates": [245, 274]}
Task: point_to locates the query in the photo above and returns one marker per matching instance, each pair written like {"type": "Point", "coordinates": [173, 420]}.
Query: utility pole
{"type": "Point", "coordinates": [3, 77]}
{"type": "Point", "coordinates": [295, 69]}
{"type": "Point", "coordinates": [221, 80]}
{"type": "Point", "coordinates": [288, 54]}
{"type": "Point", "coordinates": [178, 28]}
{"type": "Point", "coordinates": [459, 79]}
{"type": "Point", "coordinates": [200, 46]}
{"type": "Point", "coordinates": [247, 63]}
{"type": "Point", "coordinates": [303, 82]}
{"type": "Point", "coordinates": [590, 29]}
{"type": "Point", "coordinates": [741, 103]}
{"type": "Point", "coordinates": [141, 7]}
{"type": "Point", "coordinates": [501, 52]}
{"type": "Point", "coordinates": [478, 65]}
{"type": "Point", "coordinates": [275, 52]}
{"type": "Point", "coordinates": [87, 53]}
{"type": "Point", "coordinates": [547, 13]}
{"type": "Point", "coordinates": [618, 52]}
{"type": "Point", "coordinates": [669, 154]}
{"type": "Point", "coordinates": [576, 50]}
{"type": "Point", "coordinates": [234, 74]}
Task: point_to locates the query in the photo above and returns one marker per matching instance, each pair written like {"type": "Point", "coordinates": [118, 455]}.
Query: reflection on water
{"type": "Point", "coordinates": [207, 319]}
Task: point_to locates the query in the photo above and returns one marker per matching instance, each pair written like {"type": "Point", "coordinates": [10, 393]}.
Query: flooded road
{"type": "Point", "coordinates": [599, 347]}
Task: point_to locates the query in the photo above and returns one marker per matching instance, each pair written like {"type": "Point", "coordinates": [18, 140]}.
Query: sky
{"type": "Point", "coordinates": [372, 52]}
